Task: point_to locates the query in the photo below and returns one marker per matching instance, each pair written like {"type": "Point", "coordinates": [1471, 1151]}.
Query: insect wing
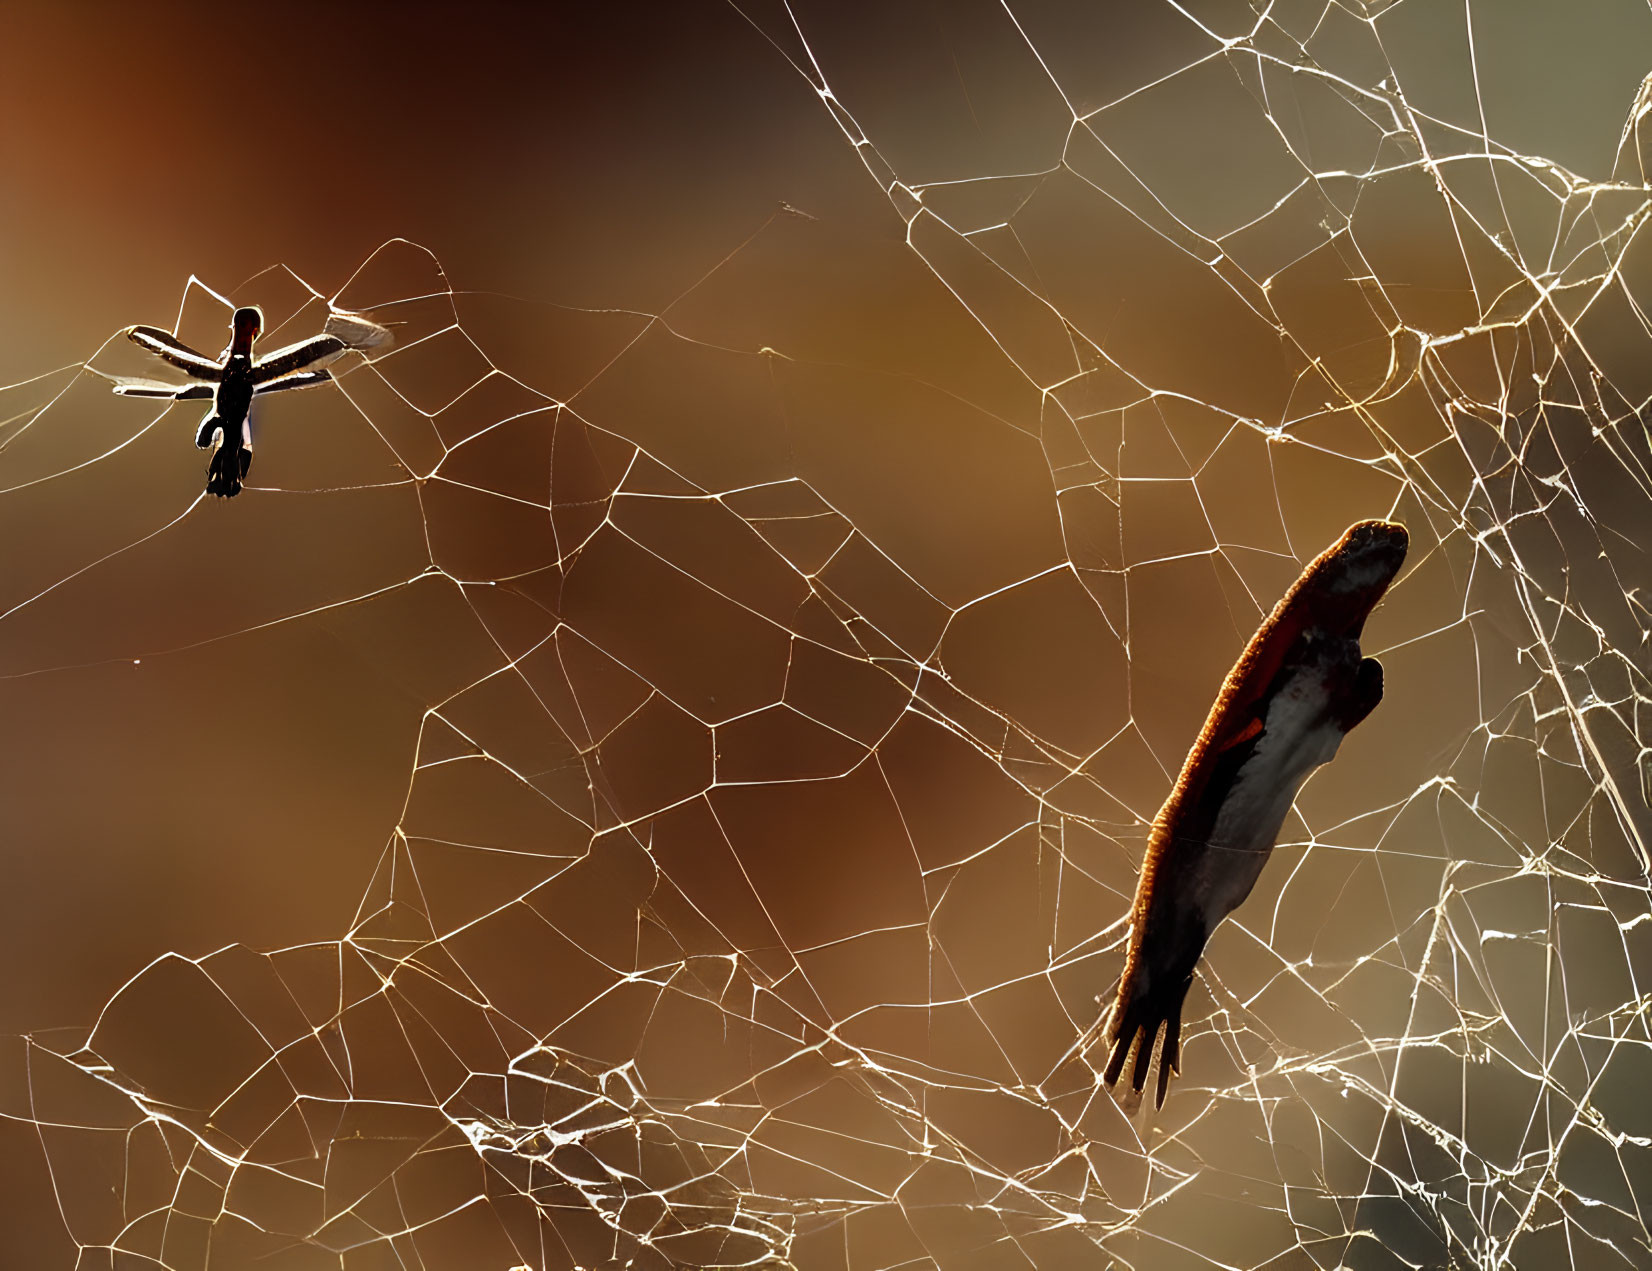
{"type": "Point", "coordinates": [299, 379]}
{"type": "Point", "coordinates": [169, 348]}
{"type": "Point", "coordinates": [173, 392]}
{"type": "Point", "coordinates": [296, 357]}
{"type": "Point", "coordinates": [357, 330]}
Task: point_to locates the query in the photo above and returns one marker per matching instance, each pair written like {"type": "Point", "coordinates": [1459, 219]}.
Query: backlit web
{"type": "Point", "coordinates": [783, 710]}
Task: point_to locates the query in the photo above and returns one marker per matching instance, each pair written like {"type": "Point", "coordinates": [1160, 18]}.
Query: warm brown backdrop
{"type": "Point", "coordinates": [241, 783]}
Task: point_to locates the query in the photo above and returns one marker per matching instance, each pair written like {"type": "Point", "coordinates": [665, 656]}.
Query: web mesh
{"type": "Point", "coordinates": [783, 710]}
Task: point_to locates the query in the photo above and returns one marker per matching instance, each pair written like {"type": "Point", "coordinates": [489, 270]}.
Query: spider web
{"type": "Point", "coordinates": [790, 704]}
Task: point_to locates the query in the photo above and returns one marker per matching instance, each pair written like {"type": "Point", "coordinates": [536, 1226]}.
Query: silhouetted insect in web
{"type": "Point", "coordinates": [231, 382]}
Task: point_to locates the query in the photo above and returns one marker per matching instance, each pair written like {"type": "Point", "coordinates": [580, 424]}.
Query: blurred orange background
{"type": "Point", "coordinates": [987, 478]}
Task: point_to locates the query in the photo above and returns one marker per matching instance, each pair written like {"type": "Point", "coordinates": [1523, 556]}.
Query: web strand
{"type": "Point", "coordinates": [783, 716]}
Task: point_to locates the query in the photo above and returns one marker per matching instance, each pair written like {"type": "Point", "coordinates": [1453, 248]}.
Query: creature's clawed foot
{"type": "Point", "coordinates": [1363, 695]}
{"type": "Point", "coordinates": [1134, 1029]}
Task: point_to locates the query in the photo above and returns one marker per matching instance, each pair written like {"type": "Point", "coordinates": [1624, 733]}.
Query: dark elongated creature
{"type": "Point", "coordinates": [1296, 691]}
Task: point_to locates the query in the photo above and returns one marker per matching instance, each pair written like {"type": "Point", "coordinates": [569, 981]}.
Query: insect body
{"type": "Point", "coordinates": [1298, 688]}
{"type": "Point", "coordinates": [231, 382]}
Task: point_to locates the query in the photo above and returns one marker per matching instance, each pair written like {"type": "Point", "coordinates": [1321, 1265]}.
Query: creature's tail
{"type": "Point", "coordinates": [227, 470]}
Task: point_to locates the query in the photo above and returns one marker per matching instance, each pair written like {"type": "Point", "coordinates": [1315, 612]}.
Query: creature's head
{"type": "Point", "coordinates": [246, 324]}
{"type": "Point", "coordinates": [1350, 576]}
{"type": "Point", "coordinates": [1372, 552]}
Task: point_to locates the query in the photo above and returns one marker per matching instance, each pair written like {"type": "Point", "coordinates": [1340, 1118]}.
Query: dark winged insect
{"type": "Point", "coordinates": [232, 381]}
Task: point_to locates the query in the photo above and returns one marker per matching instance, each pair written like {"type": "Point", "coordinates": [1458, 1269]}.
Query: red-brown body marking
{"type": "Point", "coordinates": [1296, 690]}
